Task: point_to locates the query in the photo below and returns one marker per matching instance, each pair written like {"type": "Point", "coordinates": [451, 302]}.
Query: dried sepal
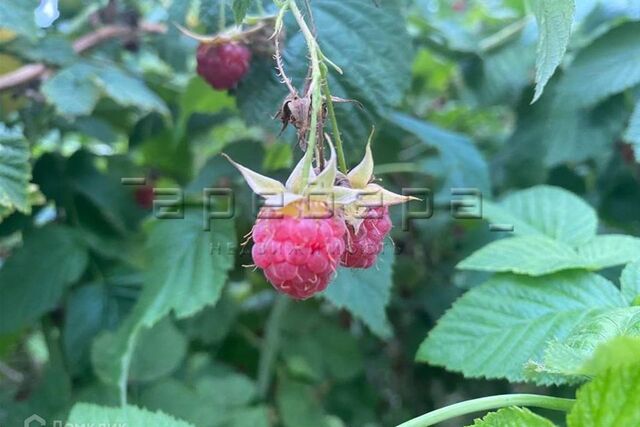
{"type": "Point", "coordinates": [260, 184]}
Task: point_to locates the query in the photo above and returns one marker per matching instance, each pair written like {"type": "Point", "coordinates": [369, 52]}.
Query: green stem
{"type": "Point", "coordinates": [332, 117]}
{"type": "Point", "coordinates": [489, 403]}
{"type": "Point", "coordinates": [316, 90]}
{"type": "Point", "coordinates": [222, 19]}
{"type": "Point", "coordinates": [260, 7]}
{"type": "Point", "coordinates": [270, 344]}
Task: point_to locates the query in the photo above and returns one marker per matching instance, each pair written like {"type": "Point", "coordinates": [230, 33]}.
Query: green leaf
{"type": "Point", "coordinates": [88, 414]}
{"type": "Point", "coordinates": [366, 293]}
{"type": "Point", "coordinates": [512, 417]}
{"type": "Point", "coordinates": [495, 328]}
{"type": "Point", "coordinates": [161, 339]}
{"type": "Point", "coordinates": [536, 256]}
{"type": "Point", "coordinates": [551, 211]}
{"type": "Point", "coordinates": [71, 91]}
{"type": "Point", "coordinates": [555, 18]}
{"type": "Point", "coordinates": [128, 91]}
{"type": "Point", "coordinates": [17, 15]}
{"type": "Point", "coordinates": [609, 250]}
{"type": "Point", "coordinates": [610, 65]}
{"type": "Point", "coordinates": [34, 278]}
{"type": "Point", "coordinates": [75, 90]}
{"type": "Point", "coordinates": [531, 255]}
{"type": "Point", "coordinates": [188, 268]}
{"type": "Point", "coordinates": [240, 8]}
{"type": "Point", "coordinates": [579, 355]}
{"type": "Point", "coordinates": [298, 406]}
{"type": "Point", "coordinates": [461, 159]}
{"type": "Point", "coordinates": [15, 171]}
{"type": "Point", "coordinates": [630, 282]}
{"type": "Point", "coordinates": [611, 400]}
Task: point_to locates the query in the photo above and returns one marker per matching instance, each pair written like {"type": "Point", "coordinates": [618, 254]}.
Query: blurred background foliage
{"type": "Point", "coordinates": [88, 279]}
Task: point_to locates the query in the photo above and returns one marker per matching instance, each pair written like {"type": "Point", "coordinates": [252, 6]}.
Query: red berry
{"type": "Point", "coordinates": [223, 64]}
{"type": "Point", "coordinates": [144, 196]}
{"type": "Point", "coordinates": [298, 255]}
{"type": "Point", "coordinates": [363, 247]}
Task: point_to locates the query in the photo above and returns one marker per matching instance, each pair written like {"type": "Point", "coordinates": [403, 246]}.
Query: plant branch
{"type": "Point", "coordinates": [342, 164]}
{"type": "Point", "coordinates": [30, 72]}
{"type": "Point", "coordinates": [314, 87]}
{"type": "Point", "coordinates": [490, 403]}
{"type": "Point", "coordinates": [270, 344]}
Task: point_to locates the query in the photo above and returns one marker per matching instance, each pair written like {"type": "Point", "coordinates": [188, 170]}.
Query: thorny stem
{"type": "Point", "coordinates": [270, 344]}
{"type": "Point", "coordinates": [489, 403]}
{"type": "Point", "coordinates": [314, 87]}
{"type": "Point", "coordinates": [332, 117]}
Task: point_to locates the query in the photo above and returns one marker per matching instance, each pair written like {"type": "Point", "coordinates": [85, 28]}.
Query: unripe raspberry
{"type": "Point", "coordinates": [222, 65]}
{"type": "Point", "coordinates": [298, 255]}
{"type": "Point", "coordinates": [363, 247]}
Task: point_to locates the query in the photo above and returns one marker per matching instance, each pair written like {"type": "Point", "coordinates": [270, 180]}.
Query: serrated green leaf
{"type": "Point", "coordinates": [54, 256]}
{"type": "Point", "coordinates": [630, 282]}
{"type": "Point", "coordinates": [554, 212]}
{"type": "Point", "coordinates": [609, 250]}
{"type": "Point", "coordinates": [531, 255]}
{"type": "Point", "coordinates": [240, 8]}
{"type": "Point", "coordinates": [610, 65]}
{"type": "Point", "coordinates": [512, 417]}
{"type": "Point", "coordinates": [88, 414]}
{"type": "Point", "coordinates": [555, 18]}
{"type": "Point", "coordinates": [15, 171]}
{"type": "Point", "coordinates": [188, 268]}
{"type": "Point", "coordinates": [574, 358]}
{"type": "Point", "coordinates": [495, 328]}
{"type": "Point", "coordinates": [536, 256]}
{"type": "Point", "coordinates": [366, 293]}
{"type": "Point", "coordinates": [610, 400]}
{"type": "Point", "coordinates": [463, 162]}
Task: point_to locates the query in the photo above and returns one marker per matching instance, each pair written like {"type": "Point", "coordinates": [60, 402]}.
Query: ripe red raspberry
{"type": "Point", "coordinates": [298, 255]}
{"type": "Point", "coordinates": [144, 196]}
{"type": "Point", "coordinates": [363, 247]}
{"type": "Point", "coordinates": [223, 64]}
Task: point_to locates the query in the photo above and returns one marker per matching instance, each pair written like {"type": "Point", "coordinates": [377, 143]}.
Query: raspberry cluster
{"type": "Point", "coordinates": [223, 65]}
{"type": "Point", "coordinates": [299, 255]}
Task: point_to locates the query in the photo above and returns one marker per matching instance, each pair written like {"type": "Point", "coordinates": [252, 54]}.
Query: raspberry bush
{"type": "Point", "coordinates": [199, 227]}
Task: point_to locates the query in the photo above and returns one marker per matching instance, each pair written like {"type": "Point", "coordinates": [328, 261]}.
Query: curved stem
{"type": "Point", "coordinates": [489, 403]}
{"type": "Point", "coordinates": [315, 87]}
{"type": "Point", "coordinates": [270, 344]}
{"type": "Point", "coordinates": [332, 117]}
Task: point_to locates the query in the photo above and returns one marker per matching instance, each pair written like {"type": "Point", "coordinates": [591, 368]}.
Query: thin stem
{"type": "Point", "coordinates": [315, 87]}
{"type": "Point", "coordinates": [270, 344]}
{"type": "Point", "coordinates": [342, 164]}
{"type": "Point", "coordinates": [489, 403]}
{"type": "Point", "coordinates": [222, 18]}
{"type": "Point", "coordinates": [260, 7]}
